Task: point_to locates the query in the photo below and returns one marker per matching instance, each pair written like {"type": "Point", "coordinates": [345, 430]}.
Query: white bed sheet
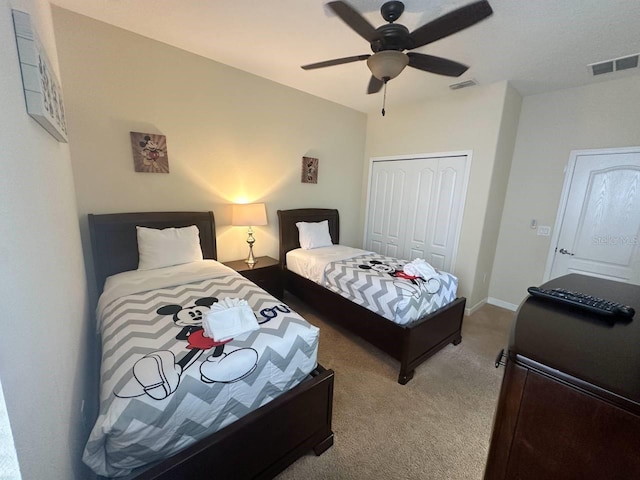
{"type": "Point", "coordinates": [311, 264]}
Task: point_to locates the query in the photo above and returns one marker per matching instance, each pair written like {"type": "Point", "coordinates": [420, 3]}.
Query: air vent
{"type": "Point", "coordinates": [602, 68]}
{"type": "Point", "coordinates": [627, 62]}
{"type": "Point", "coordinates": [466, 83]}
{"type": "Point", "coordinates": [614, 65]}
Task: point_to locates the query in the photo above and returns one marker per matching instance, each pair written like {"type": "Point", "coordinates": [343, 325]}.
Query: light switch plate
{"type": "Point", "coordinates": [544, 230]}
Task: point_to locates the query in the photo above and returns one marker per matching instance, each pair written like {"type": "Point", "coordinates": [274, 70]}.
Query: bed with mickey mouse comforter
{"type": "Point", "coordinates": [165, 385]}
{"type": "Point", "coordinates": [374, 281]}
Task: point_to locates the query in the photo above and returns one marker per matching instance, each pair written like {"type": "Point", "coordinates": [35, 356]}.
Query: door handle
{"type": "Point", "coordinates": [564, 251]}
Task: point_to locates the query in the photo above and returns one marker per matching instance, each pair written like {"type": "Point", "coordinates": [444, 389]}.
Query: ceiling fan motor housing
{"type": "Point", "coordinates": [391, 36]}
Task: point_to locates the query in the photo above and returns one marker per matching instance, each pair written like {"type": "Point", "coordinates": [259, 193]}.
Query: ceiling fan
{"type": "Point", "coordinates": [388, 42]}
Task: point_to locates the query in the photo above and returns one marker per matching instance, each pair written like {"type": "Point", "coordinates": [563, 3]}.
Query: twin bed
{"type": "Point", "coordinates": [409, 341]}
{"type": "Point", "coordinates": [176, 404]}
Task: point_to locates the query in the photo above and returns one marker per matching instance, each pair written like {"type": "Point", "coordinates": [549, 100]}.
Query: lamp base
{"type": "Point", "coordinates": [251, 260]}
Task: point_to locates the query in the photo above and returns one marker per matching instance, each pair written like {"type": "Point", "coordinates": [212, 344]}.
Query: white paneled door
{"type": "Point", "coordinates": [415, 207]}
{"type": "Point", "coordinates": [599, 226]}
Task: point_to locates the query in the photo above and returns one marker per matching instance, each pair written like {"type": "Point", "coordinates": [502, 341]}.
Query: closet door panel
{"type": "Point", "coordinates": [441, 220]}
{"type": "Point", "coordinates": [376, 205]}
{"type": "Point", "coordinates": [386, 220]}
{"type": "Point", "coordinates": [415, 207]}
{"type": "Point", "coordinates": [393, 216]}
{"type": "Point", "coordinates": [419, 206]}
{"type": "Point", "coordinates": [446, 211]}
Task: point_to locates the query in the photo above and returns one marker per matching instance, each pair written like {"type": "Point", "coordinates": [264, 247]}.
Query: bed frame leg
{"type": "Point", "coordinates": [457, 340]}
{"type": "Point", "coordinates": [324, 445]}
{"type": "Point", "coordinates": [404, 378]}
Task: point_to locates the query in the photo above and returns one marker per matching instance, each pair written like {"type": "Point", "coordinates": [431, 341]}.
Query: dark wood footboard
{"type": "Point", "coordinates": [429, 335]}
{"type": "Point", "coordinates": [410, 345]}
{"type": "Point", "coordinates": [263, 443]}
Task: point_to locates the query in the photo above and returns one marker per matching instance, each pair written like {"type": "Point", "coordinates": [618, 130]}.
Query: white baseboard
{"type": "Point", "coordinates": [475, 308]}
{"type": "Point", "coordinates": [491, 301]}
{"type": "Point", "coordinates": [501, 303]}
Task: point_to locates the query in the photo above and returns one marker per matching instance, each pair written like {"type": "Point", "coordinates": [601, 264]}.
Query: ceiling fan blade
{"type": "Point", "coordinates": [438, 65]}
{"type": "Point", "coordinates": [336, 61]}
{"type": "Point", "coordinates": [352, 17]}
{"type": "Point", "coordinates": [375, 85]}
{"type": "Point", "coordinates": [451, 22]}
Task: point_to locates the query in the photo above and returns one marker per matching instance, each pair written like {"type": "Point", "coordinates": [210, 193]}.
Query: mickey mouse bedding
{"type": "Point", "coordinates": [376, 282]}
{"type": "Point", "coordinates": [164, 383]}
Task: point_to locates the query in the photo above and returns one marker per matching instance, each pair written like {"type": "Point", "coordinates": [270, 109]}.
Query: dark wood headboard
{"type": "Point", "coordinates": [287, 220]}
{"type": "Point", "coordinates": [114, 241]}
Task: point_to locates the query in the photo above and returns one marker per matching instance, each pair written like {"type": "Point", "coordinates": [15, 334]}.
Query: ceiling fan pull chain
{"type": "Point", "coordinates": [384, 98]}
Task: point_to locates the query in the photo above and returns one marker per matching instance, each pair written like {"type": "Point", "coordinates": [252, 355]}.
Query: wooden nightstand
{"type": "Point", "coordinates": [265, 273]}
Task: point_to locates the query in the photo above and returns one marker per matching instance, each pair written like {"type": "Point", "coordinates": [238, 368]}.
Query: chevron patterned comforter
{"type": "Point", "coordinates": [374, 281]}
{"type": "Point", "coordinates": [377, 283]}
{"type": "Point", "coordinates": [164, 385]}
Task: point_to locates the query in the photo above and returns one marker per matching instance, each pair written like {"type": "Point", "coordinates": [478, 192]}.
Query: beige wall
{"type": "Point", "coordinates": [230, 135]}
{"type": "Point", "coordinates": [479, 119]}
{"type": "Point", "coordinates": [45, 321]}
{"type": "Point", "coordinates": [601, 115]}
{"type": "Point", "coordinates": [497, 192]}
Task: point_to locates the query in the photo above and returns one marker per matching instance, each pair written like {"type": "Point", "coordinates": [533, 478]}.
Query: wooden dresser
{"type": "Point", "coordinates": [569, 407]}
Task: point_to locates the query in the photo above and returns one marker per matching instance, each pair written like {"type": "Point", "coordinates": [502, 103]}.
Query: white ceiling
{"type": "Point", "coordinates": [538, 45]}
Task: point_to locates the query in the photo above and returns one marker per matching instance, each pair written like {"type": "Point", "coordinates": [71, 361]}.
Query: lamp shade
{"type": "Point", "coordinates": [387, 64]}
{"type": "Point", "coordinates": [249, 215]}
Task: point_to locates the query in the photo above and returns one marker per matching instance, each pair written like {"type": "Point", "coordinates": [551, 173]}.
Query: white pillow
{"type": "Point", "coordinates": [314, 234]}
{"type": "Point", "coordinates": [170, 246]}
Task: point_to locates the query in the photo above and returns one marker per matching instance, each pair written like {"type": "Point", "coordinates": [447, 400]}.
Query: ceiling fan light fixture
{"type": "Point", "coordinates": [387, 64]}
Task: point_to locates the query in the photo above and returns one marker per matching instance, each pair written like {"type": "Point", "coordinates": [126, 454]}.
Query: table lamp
{"type": "Point", "coordinates": [249, 215]}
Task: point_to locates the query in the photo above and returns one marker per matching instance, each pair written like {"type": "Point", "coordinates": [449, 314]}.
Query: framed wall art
{"type": "Point", "coordinates": [42, 91]}
{"type": "Point", "coordinates": [309, 170]}
{"type": "Point", "coordinates": [149, 152]}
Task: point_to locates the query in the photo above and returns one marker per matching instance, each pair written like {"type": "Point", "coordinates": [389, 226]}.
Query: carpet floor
{"type": "Point", "coordinates": [438, 426]}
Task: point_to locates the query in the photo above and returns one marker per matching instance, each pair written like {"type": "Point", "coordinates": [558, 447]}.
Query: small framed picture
{"type": "Point", "coordinates": [149, 152]}
{"type": "Point", "coordinates": [309, 170]}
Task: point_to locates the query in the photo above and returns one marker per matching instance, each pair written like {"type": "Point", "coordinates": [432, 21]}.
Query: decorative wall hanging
{"type": "Point", "coordinates": [309, 170]}
{"type": "Point", "coordinates": [42, 91]}
{"type": "Point", "coordinates": [149, 152]}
